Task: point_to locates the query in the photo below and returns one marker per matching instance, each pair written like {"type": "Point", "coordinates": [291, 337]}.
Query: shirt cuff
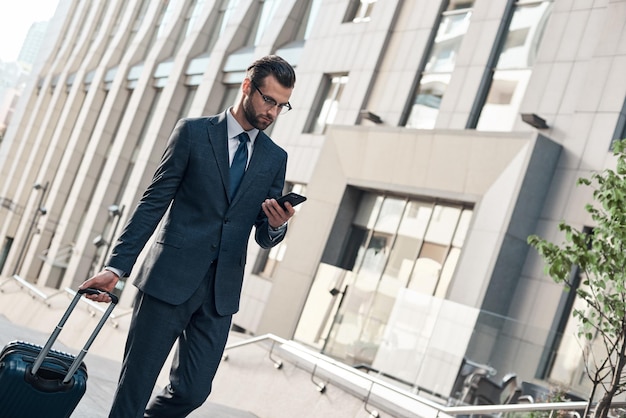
{"type": "Point", "coordinates": [276, 232]}
{"type": "Point", "coordinates": [119, 273]}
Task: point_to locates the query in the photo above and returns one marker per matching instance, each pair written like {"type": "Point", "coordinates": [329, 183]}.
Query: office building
{"type": "Point", "coordinates": [430, 137]}
{"type": "Point", "coordinates": [32, 43]}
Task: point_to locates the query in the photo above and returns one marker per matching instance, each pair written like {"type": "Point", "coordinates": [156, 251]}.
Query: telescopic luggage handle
{"type": "Point", "coordinates": [79, 358]}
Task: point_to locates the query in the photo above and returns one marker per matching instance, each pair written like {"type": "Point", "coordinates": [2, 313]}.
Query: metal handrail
{"type": "Point", "coordinates": [33, 290]}
{"type": "Point", "coordinates": [413, 386]}
{"type": "Point", "coordinates": [98, 307]}
{"type": "Point", "coordinates": [441, 409]}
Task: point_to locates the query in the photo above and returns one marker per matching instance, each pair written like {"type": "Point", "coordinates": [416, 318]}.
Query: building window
{"type": "Point", "coordinates": [269, 259]}
{"type": "Point", "coordinates": [238, 61]}
{"type": "Point", "coordinates": [513, 69]}
{"type": "Point", "coordinates": [190, 93]}
{"type": "Point", "coordinates": [395, 244]}
{"type": "Point", "coordinates": [95, 33]}
{"type": "Point", "coordinates": [4, 252]}
{"type": "Point", "coordinates": [139, 19]}
{"type": "Point", "coordinates": [225, 12]}
{"type": "Point", "coordinates": [166, 17]}
{"type": "Point", "coordinates": [165, 13]}
{"type": "Point", "coordinates": [326, 110]}
{"type": "Point", "coordinates": [86, 17]}
{"type": "Point", "coordinates": [230, 96]}
{"type": "Point", "coordinates": [359, 11]}
{"type": "Point", "coordinates": [564, 358]}
{"type": "Point", "coordinates": [116, 26]}
{"type": "Point", "coordinates": [441, 62]}
{"type": "Point", "coordinates": [220, 17]}
{"type": "Point", "coordinates": [620, 128]}
{"type": "Point", "coordinates": [308, 20]}
{"type": "Point", "coordinates": [263, 19]}
{"type": "Point", "coordinates": [191, 16]}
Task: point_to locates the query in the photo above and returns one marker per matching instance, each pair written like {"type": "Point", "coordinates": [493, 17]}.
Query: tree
{"type": "Point", "coordinates": [600, 257]}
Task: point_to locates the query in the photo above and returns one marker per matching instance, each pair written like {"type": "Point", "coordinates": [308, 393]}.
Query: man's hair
{"type": "Point", "coordinates": [272, 65]}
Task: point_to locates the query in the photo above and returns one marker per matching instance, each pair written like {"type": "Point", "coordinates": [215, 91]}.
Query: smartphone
{"type": "Point", "coordinates": [293, 198]}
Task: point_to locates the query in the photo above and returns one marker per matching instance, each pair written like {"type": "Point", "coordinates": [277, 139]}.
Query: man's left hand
{"type": "Point", "coordinates": [276, 215]}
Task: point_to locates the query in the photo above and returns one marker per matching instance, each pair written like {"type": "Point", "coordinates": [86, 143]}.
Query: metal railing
{"type": "Point", "coordinates": [37, 293]}
{"type": "Point", "coordinates": [33, 290]}
{"type": "Point", "coordinates": [436, 410]}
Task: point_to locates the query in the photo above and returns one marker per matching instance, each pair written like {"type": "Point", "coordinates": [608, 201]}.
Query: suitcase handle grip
{"type": "Point", "coordinates": [76, 364]}
{"type": "Point", "coordinates": [94, 291]}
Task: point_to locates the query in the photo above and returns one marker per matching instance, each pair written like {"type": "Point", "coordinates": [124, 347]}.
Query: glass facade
{"type": "Point", "coordinates": [327, 108]}
{"type": "Point", "coordinates": [363, 11]}
{"type": "Point", "coordinates": [440, 65]}
{"type": "Point", "coordinates": [514, 68]}
{"type": "Point", "coordinates": [399, 244]}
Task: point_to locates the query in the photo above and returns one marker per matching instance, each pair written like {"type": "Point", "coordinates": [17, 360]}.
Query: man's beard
{"type": "Point", "coordinates": [252, 117]}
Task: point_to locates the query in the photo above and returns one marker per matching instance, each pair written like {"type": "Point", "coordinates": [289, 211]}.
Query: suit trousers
{"type": "Point", "coordinates": [155, 326]}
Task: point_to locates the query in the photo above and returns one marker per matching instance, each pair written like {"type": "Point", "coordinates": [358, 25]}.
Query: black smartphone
{"type": "Point", "coordinates": [293, 198]}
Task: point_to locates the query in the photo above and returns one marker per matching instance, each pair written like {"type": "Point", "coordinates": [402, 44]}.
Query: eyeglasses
{"type": "Point", "coordinates": [270, 103]}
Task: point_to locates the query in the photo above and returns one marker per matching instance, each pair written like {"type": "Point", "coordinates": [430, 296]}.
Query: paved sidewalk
{"type": "Point", "coordinates": [102, 379]}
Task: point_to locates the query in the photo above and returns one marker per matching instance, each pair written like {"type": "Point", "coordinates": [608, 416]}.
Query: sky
{"type": "Point", "coordinates": [16, 16]}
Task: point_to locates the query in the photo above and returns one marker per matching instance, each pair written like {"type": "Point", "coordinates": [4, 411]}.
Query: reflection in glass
{"type": "Point", "coordinates": [569, 363]}
{"type": "Point", "coordinates": [426, 106]}
{"type": "Point", "coordinates": [441, 62]}
{"type": "Point", "coordinates": [389, 217]}
{"type": "Point", "coordinates": [166, 17]}
{"type": "Point", "coordinates": [514, 67]}
{"type": "Point", "coordinates": [443, 224]}
{"type": "Point", "coordinates": [328, 109]}
{"type": "Point", "coordinates": [405, 244]}
{"type": "Point", "coordinates": [325, 295]}
{"type": "Point", "coordinates": [445, 277]}
{"type": "Point", "coordinates": [462, 228]}
{"type": "Point", "coordinates": [368, 211]}
{"type": "Point", "coordinates": [524, 36]}
{"type": "Point", "coordinates": [308, 22]}
{"type": "Point", "coordinates": [364, 11]}
{"type": "Point", "coordinates": [451, 31]}
{"type": "Point", "coordinates": [267, 14]}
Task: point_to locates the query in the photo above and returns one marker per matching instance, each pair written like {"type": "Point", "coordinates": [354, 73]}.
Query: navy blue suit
{"type": "Point", "coordinates": [197, 261]}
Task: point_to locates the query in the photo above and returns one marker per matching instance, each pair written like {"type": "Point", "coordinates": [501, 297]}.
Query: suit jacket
{"type": "Point", "coordinates": [189, 191]}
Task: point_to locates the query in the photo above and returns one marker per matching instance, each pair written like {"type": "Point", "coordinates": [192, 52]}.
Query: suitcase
{"type": "Point", "coordinates": [42, 382]}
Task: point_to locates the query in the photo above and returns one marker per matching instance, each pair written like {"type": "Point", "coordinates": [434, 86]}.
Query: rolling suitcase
{"type": "Point", "coordinates": [41, 382]}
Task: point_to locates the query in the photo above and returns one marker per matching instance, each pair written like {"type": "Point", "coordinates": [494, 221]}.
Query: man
{"type": "Point", "coordinates": [190, 283]}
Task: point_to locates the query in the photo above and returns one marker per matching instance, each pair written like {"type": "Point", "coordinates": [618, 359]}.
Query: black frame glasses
{"type": "Point", "coordinates": [270, 103]}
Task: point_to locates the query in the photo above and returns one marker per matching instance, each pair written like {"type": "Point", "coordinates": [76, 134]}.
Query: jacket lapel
{"type": "Point", "coordinates": [218, 137]}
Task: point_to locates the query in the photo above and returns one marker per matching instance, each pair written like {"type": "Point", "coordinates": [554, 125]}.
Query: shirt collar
{"type": "Point", "coordinates": [234, 128]}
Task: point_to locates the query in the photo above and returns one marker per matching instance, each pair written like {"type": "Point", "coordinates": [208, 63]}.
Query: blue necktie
{"type": "Point", "coordinates": [238, 166]}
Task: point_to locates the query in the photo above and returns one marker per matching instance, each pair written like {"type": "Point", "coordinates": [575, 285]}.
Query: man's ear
{"type": "Point", "coordinates": [246, 86]}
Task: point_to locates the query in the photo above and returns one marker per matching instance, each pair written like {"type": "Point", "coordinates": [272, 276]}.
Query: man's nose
{"type": "Point", "coordinates": [275, 110]}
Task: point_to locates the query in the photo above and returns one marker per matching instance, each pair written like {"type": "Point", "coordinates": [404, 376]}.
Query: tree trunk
{"type": "Point", "coordinates": [591, 396]}
{"type": "Point", "coordinates": [603, 407]}
{"type": "Point", "coordinates": [602, 410]}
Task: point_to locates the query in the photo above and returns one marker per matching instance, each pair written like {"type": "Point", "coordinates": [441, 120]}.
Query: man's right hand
{"type": "Point", "coordinates": [105, 280]}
